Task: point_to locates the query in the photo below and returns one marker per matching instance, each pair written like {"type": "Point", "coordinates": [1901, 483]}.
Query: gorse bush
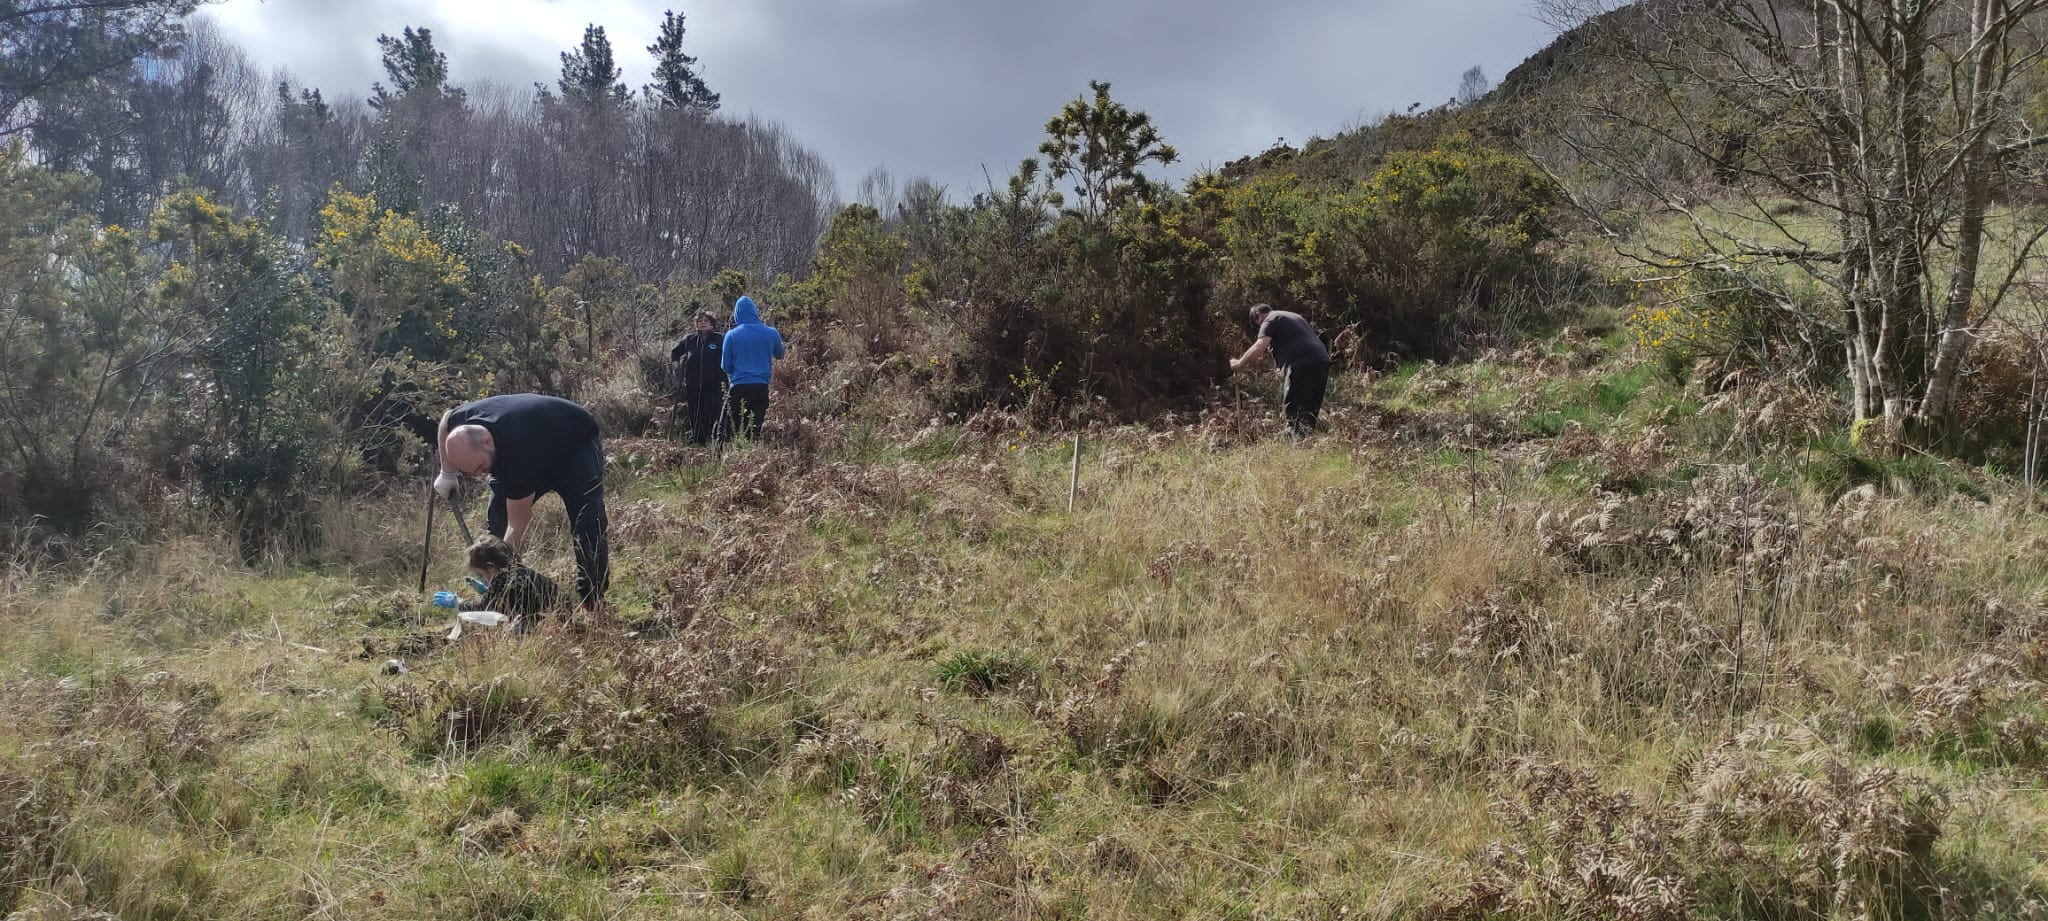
{"type": "Point", "coordinates": [1137, 300]}
{"type": "Point", "coordinates": [1722, 319]}
{"type": "Point", "coordinates": [78, 304]}
{"type": "Point", "coordinates": [213, 359]}
{"type": "Point", "coordinates": [1419, 256]}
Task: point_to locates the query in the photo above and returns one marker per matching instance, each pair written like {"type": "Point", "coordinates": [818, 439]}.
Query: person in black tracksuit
{"type": "Point", "coordinates": [529, 444]}
{"type": "Point", "coordinates": [1301, 355]}
{"type": "Point", "coordinates": [700, 382]}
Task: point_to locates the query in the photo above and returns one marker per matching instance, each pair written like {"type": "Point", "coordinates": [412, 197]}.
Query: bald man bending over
{"type": "Point", "coordinates": [529, 444]}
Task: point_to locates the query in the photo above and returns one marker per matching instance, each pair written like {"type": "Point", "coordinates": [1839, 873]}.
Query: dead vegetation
{"type": "Point", "coordinates": [1477, 655]}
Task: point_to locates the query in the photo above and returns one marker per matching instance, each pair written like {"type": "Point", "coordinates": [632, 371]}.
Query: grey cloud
{"type": "Point", "coordinates": [330, 46]}
{"type": "Point", "coordinates": [942, 89]}
{"type": "Point", "coordinates": [498, 62]}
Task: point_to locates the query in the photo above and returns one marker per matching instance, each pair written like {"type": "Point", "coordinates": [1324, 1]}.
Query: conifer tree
{"type": "Point", "coordinates": [589, 75]}
{"type": "Point", "coordinates": [50, 44]}
{"type": "Point", "coordinates": [677, 84]}
{"type": "Point", "coordinates": [417, 108]}
{"type": "Point", "coordinates": [412, 63]}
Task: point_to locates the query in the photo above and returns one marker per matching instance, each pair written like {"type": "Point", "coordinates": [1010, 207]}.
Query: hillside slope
{"type": "Point", "coordinates": [1538, 636]}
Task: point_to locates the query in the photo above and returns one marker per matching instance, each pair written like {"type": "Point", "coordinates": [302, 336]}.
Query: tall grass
{"type": "Point", "coordinates": [1444, 660]}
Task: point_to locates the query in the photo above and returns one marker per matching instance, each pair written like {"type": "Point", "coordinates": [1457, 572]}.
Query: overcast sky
{"type": "Point", "coordinates": [952, 90]}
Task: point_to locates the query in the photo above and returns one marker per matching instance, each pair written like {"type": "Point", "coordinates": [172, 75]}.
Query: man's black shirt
{"type": "Point", "coordinates": [539, 439]}
{"type": "Point", "coordinates": [1294, 342]}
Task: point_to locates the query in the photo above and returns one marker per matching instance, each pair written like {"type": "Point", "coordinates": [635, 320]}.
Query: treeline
{"type": "Point", "coordinates": [251, 313]}
{"type": "Point", "coordinates": [583, 167]}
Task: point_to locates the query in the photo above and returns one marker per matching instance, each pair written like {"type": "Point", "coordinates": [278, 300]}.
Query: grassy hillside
{"type": "Point", "coordinates": [1538, 636]}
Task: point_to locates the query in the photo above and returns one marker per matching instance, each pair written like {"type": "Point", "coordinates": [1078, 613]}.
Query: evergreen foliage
{"type": "Point", "coordinates": [590, 78]}
{"type": "Point", "coordinates": [419, 108]}
{"type": "Point", "coordinates": [251, 395]}
{"type": "Point", "coordinates": [414, 66]}
{"type": "Point", "coordinates": [78, 313]}
{"type": "Point", "coordinates": [677, 82]}
{"type": "Point", "coordinates": [47, 45]}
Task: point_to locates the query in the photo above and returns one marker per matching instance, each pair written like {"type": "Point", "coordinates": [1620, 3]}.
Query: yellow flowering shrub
{"type": "Point", "coordinates": [1418, 255]}
{"type": "Point", "coordinates": [1685, 313]}
{"type": "Point", "coordinates": [1668, 316]}
{"type": "Point", "coordinates": [401, 287]}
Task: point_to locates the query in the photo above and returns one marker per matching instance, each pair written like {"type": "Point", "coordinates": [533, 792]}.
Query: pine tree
{"type": "Point", "coordinates": [47, 45]}
{"type": "Point", "coordinates": [589, 75]}
{"type": "Point", "coordinates": [413, 64]}
{"type": "Point", "coordinates": [677, 85]}
{"type": "Point", "coordinates": [418, 107]}
{"type": "Point", "coordinates": [303, 152]}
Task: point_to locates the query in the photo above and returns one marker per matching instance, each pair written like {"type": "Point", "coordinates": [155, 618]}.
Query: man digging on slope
{"type": "Point", "coordinates": [529, 444]}
{"type": "Point", "coordinates": [1302, 359]}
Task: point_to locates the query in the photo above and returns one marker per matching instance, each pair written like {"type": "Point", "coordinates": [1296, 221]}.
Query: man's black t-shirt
{"type": "Point", "coordinates": [1294, 341]}
{"type": "Point", "coordinates": [538, 439]}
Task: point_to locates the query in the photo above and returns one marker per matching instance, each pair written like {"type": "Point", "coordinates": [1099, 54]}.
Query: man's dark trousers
{"type": "Point", "coordinates": [745, 408]}
{"type": "Point", "coordinates": [1301, 399]}
{"type": "Point", "coordinates": [580, 483]}
{"type": "Point", "coordinates": [706, 405]}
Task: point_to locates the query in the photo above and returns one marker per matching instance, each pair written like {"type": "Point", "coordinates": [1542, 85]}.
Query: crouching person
{"type": "Point", "coordinates": [528, 445]}
{"type": "Point", "coordinates": [513, 589]}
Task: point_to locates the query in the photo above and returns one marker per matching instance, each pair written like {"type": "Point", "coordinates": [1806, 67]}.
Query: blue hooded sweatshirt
{"type": "Point", "coordinates": [751, 346]}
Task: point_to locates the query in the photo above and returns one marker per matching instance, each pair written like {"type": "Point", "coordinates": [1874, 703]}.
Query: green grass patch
{"type": "Point", "coordinates": [1614, 394]}
{"type": "Point", "coordinates": [1594, 405]}
{"type": "Point", "coordinates": [982, 673]}
{"type": "Point", "coordinates": [1834, 468]}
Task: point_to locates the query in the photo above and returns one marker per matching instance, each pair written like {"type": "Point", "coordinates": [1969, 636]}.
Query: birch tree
{"type": "Point", "coordinates": [1900, 123]}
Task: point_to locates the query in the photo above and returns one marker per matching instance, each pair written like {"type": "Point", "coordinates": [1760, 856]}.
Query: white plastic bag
{"type": "Point", "coordinates": [475, 619]}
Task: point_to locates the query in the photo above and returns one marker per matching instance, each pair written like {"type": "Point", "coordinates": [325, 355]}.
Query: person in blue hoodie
{"type": "Point", "coordinates": [751, 348]}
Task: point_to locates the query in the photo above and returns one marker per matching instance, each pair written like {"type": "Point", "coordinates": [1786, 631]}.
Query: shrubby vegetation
{"type": "Point", "coordinates": [1128, 311]}
{"type": "Point", "coordinates": [1878, 158]}
{"type": "Point", "coordinates": [228, 307]}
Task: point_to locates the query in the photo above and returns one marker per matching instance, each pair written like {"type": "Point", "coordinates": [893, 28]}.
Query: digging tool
{"type": "Point", "coordinates": [460, 524]}
{"type": "Point", "coordinates": [427, 543]}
